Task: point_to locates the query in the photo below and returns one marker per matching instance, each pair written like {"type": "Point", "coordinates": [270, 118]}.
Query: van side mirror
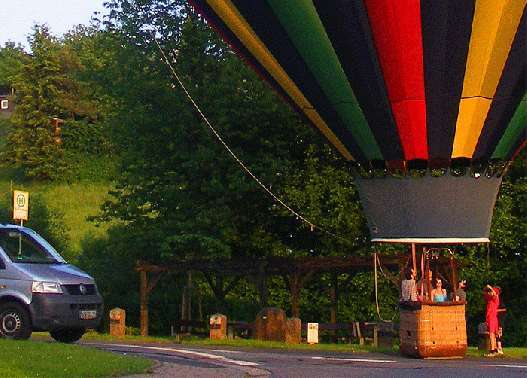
{"type": "Point", "coordinates": [2, 263]}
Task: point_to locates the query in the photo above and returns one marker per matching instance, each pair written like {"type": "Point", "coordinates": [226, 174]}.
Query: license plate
{"type": "Point", "coordinates": [88, 314]}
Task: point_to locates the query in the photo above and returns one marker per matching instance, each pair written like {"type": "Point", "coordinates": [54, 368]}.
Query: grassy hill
{"type": "Point", "coordinates": [71, 203]}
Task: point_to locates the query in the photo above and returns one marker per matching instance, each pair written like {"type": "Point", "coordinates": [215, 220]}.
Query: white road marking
{"type": "Point", "coordinates": [509, 366]}
{"type": "Point", "coordinates": [352, 359]}
{"type": "Point", "coordinates": [195, 353]}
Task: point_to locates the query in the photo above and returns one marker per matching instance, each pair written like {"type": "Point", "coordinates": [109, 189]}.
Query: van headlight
{"type": "Point", "coordinates": [46, 287]}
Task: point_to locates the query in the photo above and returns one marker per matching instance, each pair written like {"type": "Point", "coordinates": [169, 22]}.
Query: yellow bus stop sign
{"type": "Point", "coordinates": [20, 205]}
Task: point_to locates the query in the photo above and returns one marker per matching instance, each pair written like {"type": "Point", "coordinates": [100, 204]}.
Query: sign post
{"type": "Point", "coordinates": [20, 206]}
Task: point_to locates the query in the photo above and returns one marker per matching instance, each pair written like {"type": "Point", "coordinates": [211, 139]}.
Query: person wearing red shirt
{"type": "Point", "coordinates": [492, 295]}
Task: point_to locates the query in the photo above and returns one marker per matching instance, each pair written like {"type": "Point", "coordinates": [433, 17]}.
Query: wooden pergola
{"type": "Point", "coordinates": [296, 272]}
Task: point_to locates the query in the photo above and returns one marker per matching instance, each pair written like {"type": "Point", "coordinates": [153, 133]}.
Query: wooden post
{"type": "Point", "coordinates": [294, 283]}
{"type": "Point", "coordinates": [220, 298]}
{"type": "Point", "coordinates": [294, 288]}
{"type": "Point", "coordinates": [454, 278]}
{"type": "Point", "coordinates": [189, 296]}
{"type": "Point", "coordinates": [414, 261]}
{"type": "Point", "coordinates": [262, 285]}
{"type": "Point", "coordinates": [145, 288]}
{"type": "Point", "coordinates": [144, 304]}
{"type": "Point", "coordinates": [428, 283]}
{"type": "Point", "coordinates": [333, 296]}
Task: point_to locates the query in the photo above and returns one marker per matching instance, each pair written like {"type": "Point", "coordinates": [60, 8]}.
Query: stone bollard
{"type": "Point", "coordinates": [270, 324]}
{"type": "Point", "coordinates": [218, 327]}
{"type": "Point", "coordinates": [483, 337]}
{"type": "Point", "coordinates": [385, 334]}
{"type": "Point", "coordinates": [293, 331]}
{"type": "Point", "coordinates": [117, 322]}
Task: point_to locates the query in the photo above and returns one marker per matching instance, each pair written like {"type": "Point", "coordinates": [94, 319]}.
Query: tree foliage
{"type": "Point", "coordinates": [11, 59]}
{"type": "Point", "coordinates": [33, 143]}
{"type": "Point", "coordinates": [56, 116]}
{"type": "Point", "coordinates": [180, 191]}
{"type": "Point", "coordinates": [177, 177]}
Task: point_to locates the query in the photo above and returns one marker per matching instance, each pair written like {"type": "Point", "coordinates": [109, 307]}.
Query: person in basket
{"type": "Point", "coordinates": [439, 294]}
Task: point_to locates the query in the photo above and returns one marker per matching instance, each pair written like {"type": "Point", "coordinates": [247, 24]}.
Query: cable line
{"type": "Point", "coordinates": [195, 105]}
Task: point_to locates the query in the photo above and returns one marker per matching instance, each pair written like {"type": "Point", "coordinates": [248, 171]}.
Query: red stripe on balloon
{"type": "Point", "coordinates": [411, 114]}
{"type": "Point", "coordinates": [396, 27]}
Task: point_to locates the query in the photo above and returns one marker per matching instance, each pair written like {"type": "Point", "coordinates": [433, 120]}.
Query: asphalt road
{"type": "Point", "coordinates": [178, 360]}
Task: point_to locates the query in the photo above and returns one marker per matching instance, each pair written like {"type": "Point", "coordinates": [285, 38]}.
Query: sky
{"type": "Point", "coordinates": [17, 17]}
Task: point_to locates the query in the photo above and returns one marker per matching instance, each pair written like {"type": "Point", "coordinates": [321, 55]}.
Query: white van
{"type": "Point", "coordinates": [39, 291]}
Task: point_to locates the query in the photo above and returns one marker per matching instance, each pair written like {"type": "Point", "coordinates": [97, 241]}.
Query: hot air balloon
{"type": "Point", "coordinates": [425, 99]}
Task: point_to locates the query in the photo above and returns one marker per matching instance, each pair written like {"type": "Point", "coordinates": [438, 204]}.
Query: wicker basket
{"type": "Point", "coordinates": [435, 330]}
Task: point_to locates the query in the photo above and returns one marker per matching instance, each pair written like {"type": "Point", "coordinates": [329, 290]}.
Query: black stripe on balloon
{"type": "Point", "coordinates": [509, 93]}
{"type": "Point", "coordinates": [265, 24]}
{"type": "Point", "coordinates": [347, 26]}
{"type": "Point", "coordinates": [221, 28]}
{"type": "Point", "coordinates": [446, 29]}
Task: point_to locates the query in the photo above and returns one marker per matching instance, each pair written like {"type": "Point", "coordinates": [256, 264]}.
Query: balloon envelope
{"type": "Point", "coordinates": [421, 89]}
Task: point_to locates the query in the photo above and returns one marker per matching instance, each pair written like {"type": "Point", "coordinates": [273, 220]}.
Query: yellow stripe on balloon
{"type": "Point", "coordinates": [493, 30]}
{"type": "Point", "coordinates": [239, 26]}
{"type": "Point", "coordinates": [472, 111]}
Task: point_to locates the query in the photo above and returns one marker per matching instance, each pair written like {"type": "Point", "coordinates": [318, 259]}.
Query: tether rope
{"type": "Point", "coordinates": [195, 105]}
{"type": "Point", "coordinates": [311, 224]}
{"type": "Point", "coordinates": [375, 261]}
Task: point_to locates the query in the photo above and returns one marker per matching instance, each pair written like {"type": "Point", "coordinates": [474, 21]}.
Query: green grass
{"type": "Point", "coordinates": [74, 201]}
{"type": "Point", "coordinates": [242, 343]}
{"type": "Point", "coordinates": [512, 352]}
{"type": "Point", "coordinates": [77, 201]}
{"type": "Point", "coordinates": [28, 359]}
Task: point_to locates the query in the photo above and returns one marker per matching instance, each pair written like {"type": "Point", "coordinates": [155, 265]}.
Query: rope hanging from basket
{"type": "Point", "coordinates": [375, 275]}
{"type": "Point", "coordinates": [375, 261]}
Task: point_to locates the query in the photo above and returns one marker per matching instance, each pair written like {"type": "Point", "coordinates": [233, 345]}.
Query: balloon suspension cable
{"type": "Point", "coordinates": [377, 262]}
{"type": "Point", "coordinates": [195, 105]}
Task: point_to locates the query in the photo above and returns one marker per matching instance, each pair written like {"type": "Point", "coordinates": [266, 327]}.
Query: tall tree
{"type": "Point", "coordinates": [33, 143]}
{"type": "Point", "coordinates": [55, 111]}
{"type": "Point", "coordinates": [11, 59]}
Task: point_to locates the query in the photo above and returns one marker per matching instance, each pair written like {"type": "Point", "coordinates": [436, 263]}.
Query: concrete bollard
{"type": "Point", "coordinates": [293, 331]}
{"type": "Point", "coordinates": [218, 327]}
{"type": "Point", "coordinates": [117, 322]}
{"type": "Point", "coordinates": [270, 325]}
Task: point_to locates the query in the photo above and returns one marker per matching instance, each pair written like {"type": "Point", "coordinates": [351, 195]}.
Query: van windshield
{"type": "Point", "coordinates": [22, 249]}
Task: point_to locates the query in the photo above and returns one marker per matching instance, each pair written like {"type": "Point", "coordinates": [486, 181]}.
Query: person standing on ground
{"type": "Point", "coordinates": [501, 314]}
{"type": "Point", "coordinates": [492, 295]}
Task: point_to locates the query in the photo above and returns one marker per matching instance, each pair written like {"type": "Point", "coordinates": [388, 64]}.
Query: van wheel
{"type": "Point", "coordinates": [68, 336]}
{"type": "Point", "coordinates": [15, 322]}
